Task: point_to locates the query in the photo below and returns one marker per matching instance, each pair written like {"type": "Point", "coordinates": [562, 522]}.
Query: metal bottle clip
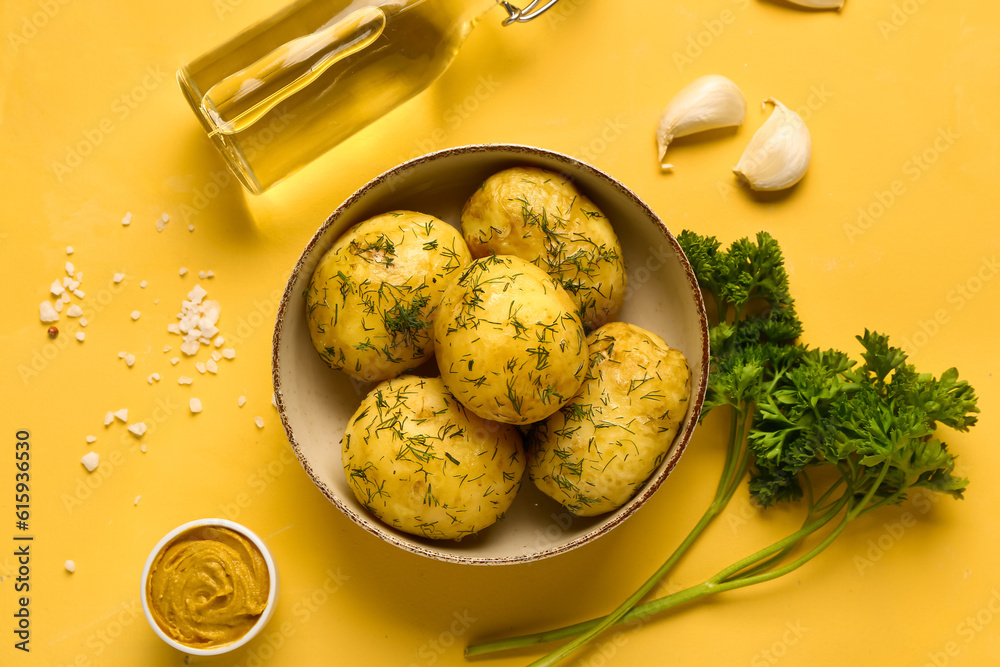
{"type": "Point", "coordinates": [515, 15]}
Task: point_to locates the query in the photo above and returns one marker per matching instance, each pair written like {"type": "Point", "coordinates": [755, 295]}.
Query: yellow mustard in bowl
{"type": "Point", "coordinates": [207, 587]}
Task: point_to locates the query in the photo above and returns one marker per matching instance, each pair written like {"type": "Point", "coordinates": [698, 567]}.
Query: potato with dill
{"type": "Point", "coordinates": [372, 298]}
{"type": "Point", "coordinates": [594, 454]}
{"type": "Point", "coordinates": [542, 217]}
{"type": "Point", "coordinates": [509, 342]}
{"type": "Point", "coordinates": [420, 462]}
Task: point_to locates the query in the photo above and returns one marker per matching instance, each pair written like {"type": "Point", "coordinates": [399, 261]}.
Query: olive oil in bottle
{"type": "Point", "coordinates": [290, 88]}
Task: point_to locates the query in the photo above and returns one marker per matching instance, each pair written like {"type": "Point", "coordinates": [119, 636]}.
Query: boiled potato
{"type": "Point", "coordinates": [510, 345]}
{"type": "Point", "coordinates": [419, 461]}
{"type": "Point", "coordinates": [540, 216]}
{"type": "Point", "coordinates": [595, 453]}
{"type": "Point", "coordinates": [372, 298]}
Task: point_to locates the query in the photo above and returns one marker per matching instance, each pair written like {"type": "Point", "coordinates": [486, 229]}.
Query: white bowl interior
{"type": "Point", "coordinates": [315, 402]}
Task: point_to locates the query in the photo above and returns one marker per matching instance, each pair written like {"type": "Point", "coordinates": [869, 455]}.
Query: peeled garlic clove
{"type": "Point", "coordinates": [707, 103]}
{"type": "Point", "coordinates": [819, 4]}
{"type": "Point", "coordinates": [779, 153]}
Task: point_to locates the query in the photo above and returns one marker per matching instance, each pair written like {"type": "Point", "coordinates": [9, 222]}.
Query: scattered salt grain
{"type": "Point", "coordinates": [129, 360]}
{"type": "Point", "coordinates": [80, 336]}
{"type": "Point", "coordinates": [143, 284]}
{"type": "Point", "coordinates": [136, 315]}
{"type": "Point", "coordinates": [83, 321]}
{"type": "Point", "coordinates": [108, 418]}
{"type": "Point", "coordinates": [229, 353]}
{"type": "Point", "coordinates": [190, 228]}
{"type": "Point", "coordinates": [122, 414]}
{"type": "Point", "coordinates": [195, 405]}
{"type": "Point", "coordinates": [136, 500]}
{"type": "Point", "coordinates": [69, 250]}
{"type": "Point", "coordinates": [90, 461]}
{"type": "Point", "coordinates": [137, 428]}
{"type": "Point", "coordinates": [79, 293]}
{"type": "Point", "coordinates": [174, 360]}
{"type": "Point", "coordinates": [219, 340]}
{"type": "Point", "coordinates": [70, 566]}
{"type": "Point", "coordinates": [259, 421]}
{"type": "Point", "coordinates": [118, 277]}
{"type": "Point", "coordinates": [153, 377]}
{"type": "Point", "coordinates": [56, 288]}
{"type": "Point", "coordinates": [184, 380]}
{"type": "Point", "coordinates": [74, 311]}
{"type": "Point", "coordinates": [59, 305]}
{"type": "Point", "coordinates": [216, 356]}
{"type": "Point", "coordinates": [91, 438]}
{"type": "Point", "coordinates": [241, 401]}
{"type": "Point", "coordinates": [183, 271]}
{"type": "Point", "coordinates": [212, 366]}
{"type": "Point", "coordinates": [46, 313]}
{"type": "Point", "coordinates": [127, 219]}
{"type": "Point", "coordinates": [200, 367]}
{"type": "Point", "coordinates": [122, 354]}
{"type": "Point", "coordinates": [69, 269]}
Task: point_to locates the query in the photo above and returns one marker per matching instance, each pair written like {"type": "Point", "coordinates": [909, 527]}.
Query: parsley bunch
{"type": "Point", "coordinates": [796, 414]}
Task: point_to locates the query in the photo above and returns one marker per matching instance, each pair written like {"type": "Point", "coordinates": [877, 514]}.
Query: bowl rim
{"type": "Point", "coordinates": [681, 439]}
{"type": "Point", "coordinates": [272, 592]}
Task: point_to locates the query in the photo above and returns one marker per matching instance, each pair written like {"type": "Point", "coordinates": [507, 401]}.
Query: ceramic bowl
{"type": "Point", "coordinates": [272, 594]}
{"type": "Point", "coordinates": [315, 401]}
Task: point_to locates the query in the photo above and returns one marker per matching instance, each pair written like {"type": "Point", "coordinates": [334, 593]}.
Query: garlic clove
{"type": "Point", "coordinates": [819, 4]}
{"type": "Point", "coordinates": [707, 103]}
{"type": "Point", "coordinates": [778, 155]}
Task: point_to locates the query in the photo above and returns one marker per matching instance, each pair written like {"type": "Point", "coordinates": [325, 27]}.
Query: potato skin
{"type": "Point", "coordinates": [419, 461]}
{"type": "Point", "coordinates": [510, 345]}
{"type": "Point", "coordinates": [595, 453]}
{"type": "Point", "coordinates": [372, 297]}
{"type": "Point", "coordinates": [540, 216]}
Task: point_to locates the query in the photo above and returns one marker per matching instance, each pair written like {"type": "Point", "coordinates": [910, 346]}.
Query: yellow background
{"type": "Point", "coordinates": [898, 95]}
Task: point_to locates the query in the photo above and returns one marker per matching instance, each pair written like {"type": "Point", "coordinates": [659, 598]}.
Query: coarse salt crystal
{"type": "Point", "coordinates": [219, 340]}
{"type": "Point", "coordinates": [129, 360]}
{"type": "Point", "coordinates": [80, 336]}
{"type": "Point", "coordinates": [184, 379]}
{"type": "Point", "coordinates": [161, 224]}
{"type": "Point", "coordinates": [259, 421]}
{"type": "Point", "coordinates": [90, 461]}
{"type": "Point", "coordinates": [200, 367]}
{"type": "Point", "coordinates": [137, 428]}
{"type": "Point", "coordinates": [167, 348]}
{"type": "Point", "coordinates": [74, 311]}
{"type": "Point", "coordinates": [190, 228]}
{"type": "Point", "coordinates": [143, 284]}
{"type": "Point", "coordinates": [69, 269]}
{"type": "Point", "coordinates": [69, 250]}
{"type": "Point", "coordinates": [241, 401]}
{"type": "Point", "coordinates": [79, 293]}
{"type": "Point", "coordinates": [108, 418]}
{"type": "Point", "coordinates": [153, 377]}
{"type": "Point", "coordinates": [229, 353]}
{"type": "Point", "coordinates": [136, 315]}
{"type": "Point", "coordinates": [174, 360]}
{"type": "Point", "coordinates": [59, 305]}
{"type": "Point", "coordinates": [70, 566]}
{"type": "Point", "coordinates": [47, 313]}
{"type": "Point", "coordinates": [215, 355]}
{"type": "Point", "coordinates": [142, 448]}
{"type": "Point", "coordinates": [212, 366]}
{"type": "Point", "coordinates": [190, 347]}
{"type": "Point", "coordinates": [136, 502]}
{"type": "Point", "coordinates": [91, 438]}
{"type": "Point", "coordinates": [195, 405]}
{"type": "Point", "coordinates": [122, 354]}
{"type": "Point", "coordinates": [182, 271]}
{"type": "Point", "coordinates": [201, 274]}
{"type": "Point", "coordinates": [118, 277]}
{"type": "Point", "coordinates": [83, 321]}
{"type": "Point", "coordinates": [64, 297]}
{"type": "Point", "coordinates": [57, 288]}
{"type": "Point", "coordinates": [196, 294]}
{"type": "Point", "coordinates": [127, 219]}
{"type": "Point", "coordinates": [122, 414]}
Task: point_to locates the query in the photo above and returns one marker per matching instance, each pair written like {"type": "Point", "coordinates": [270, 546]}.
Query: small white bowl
{"type": "Point", "coordinates": [272, 593]}
{"type": "Point", "coordinates": [315, 402]}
